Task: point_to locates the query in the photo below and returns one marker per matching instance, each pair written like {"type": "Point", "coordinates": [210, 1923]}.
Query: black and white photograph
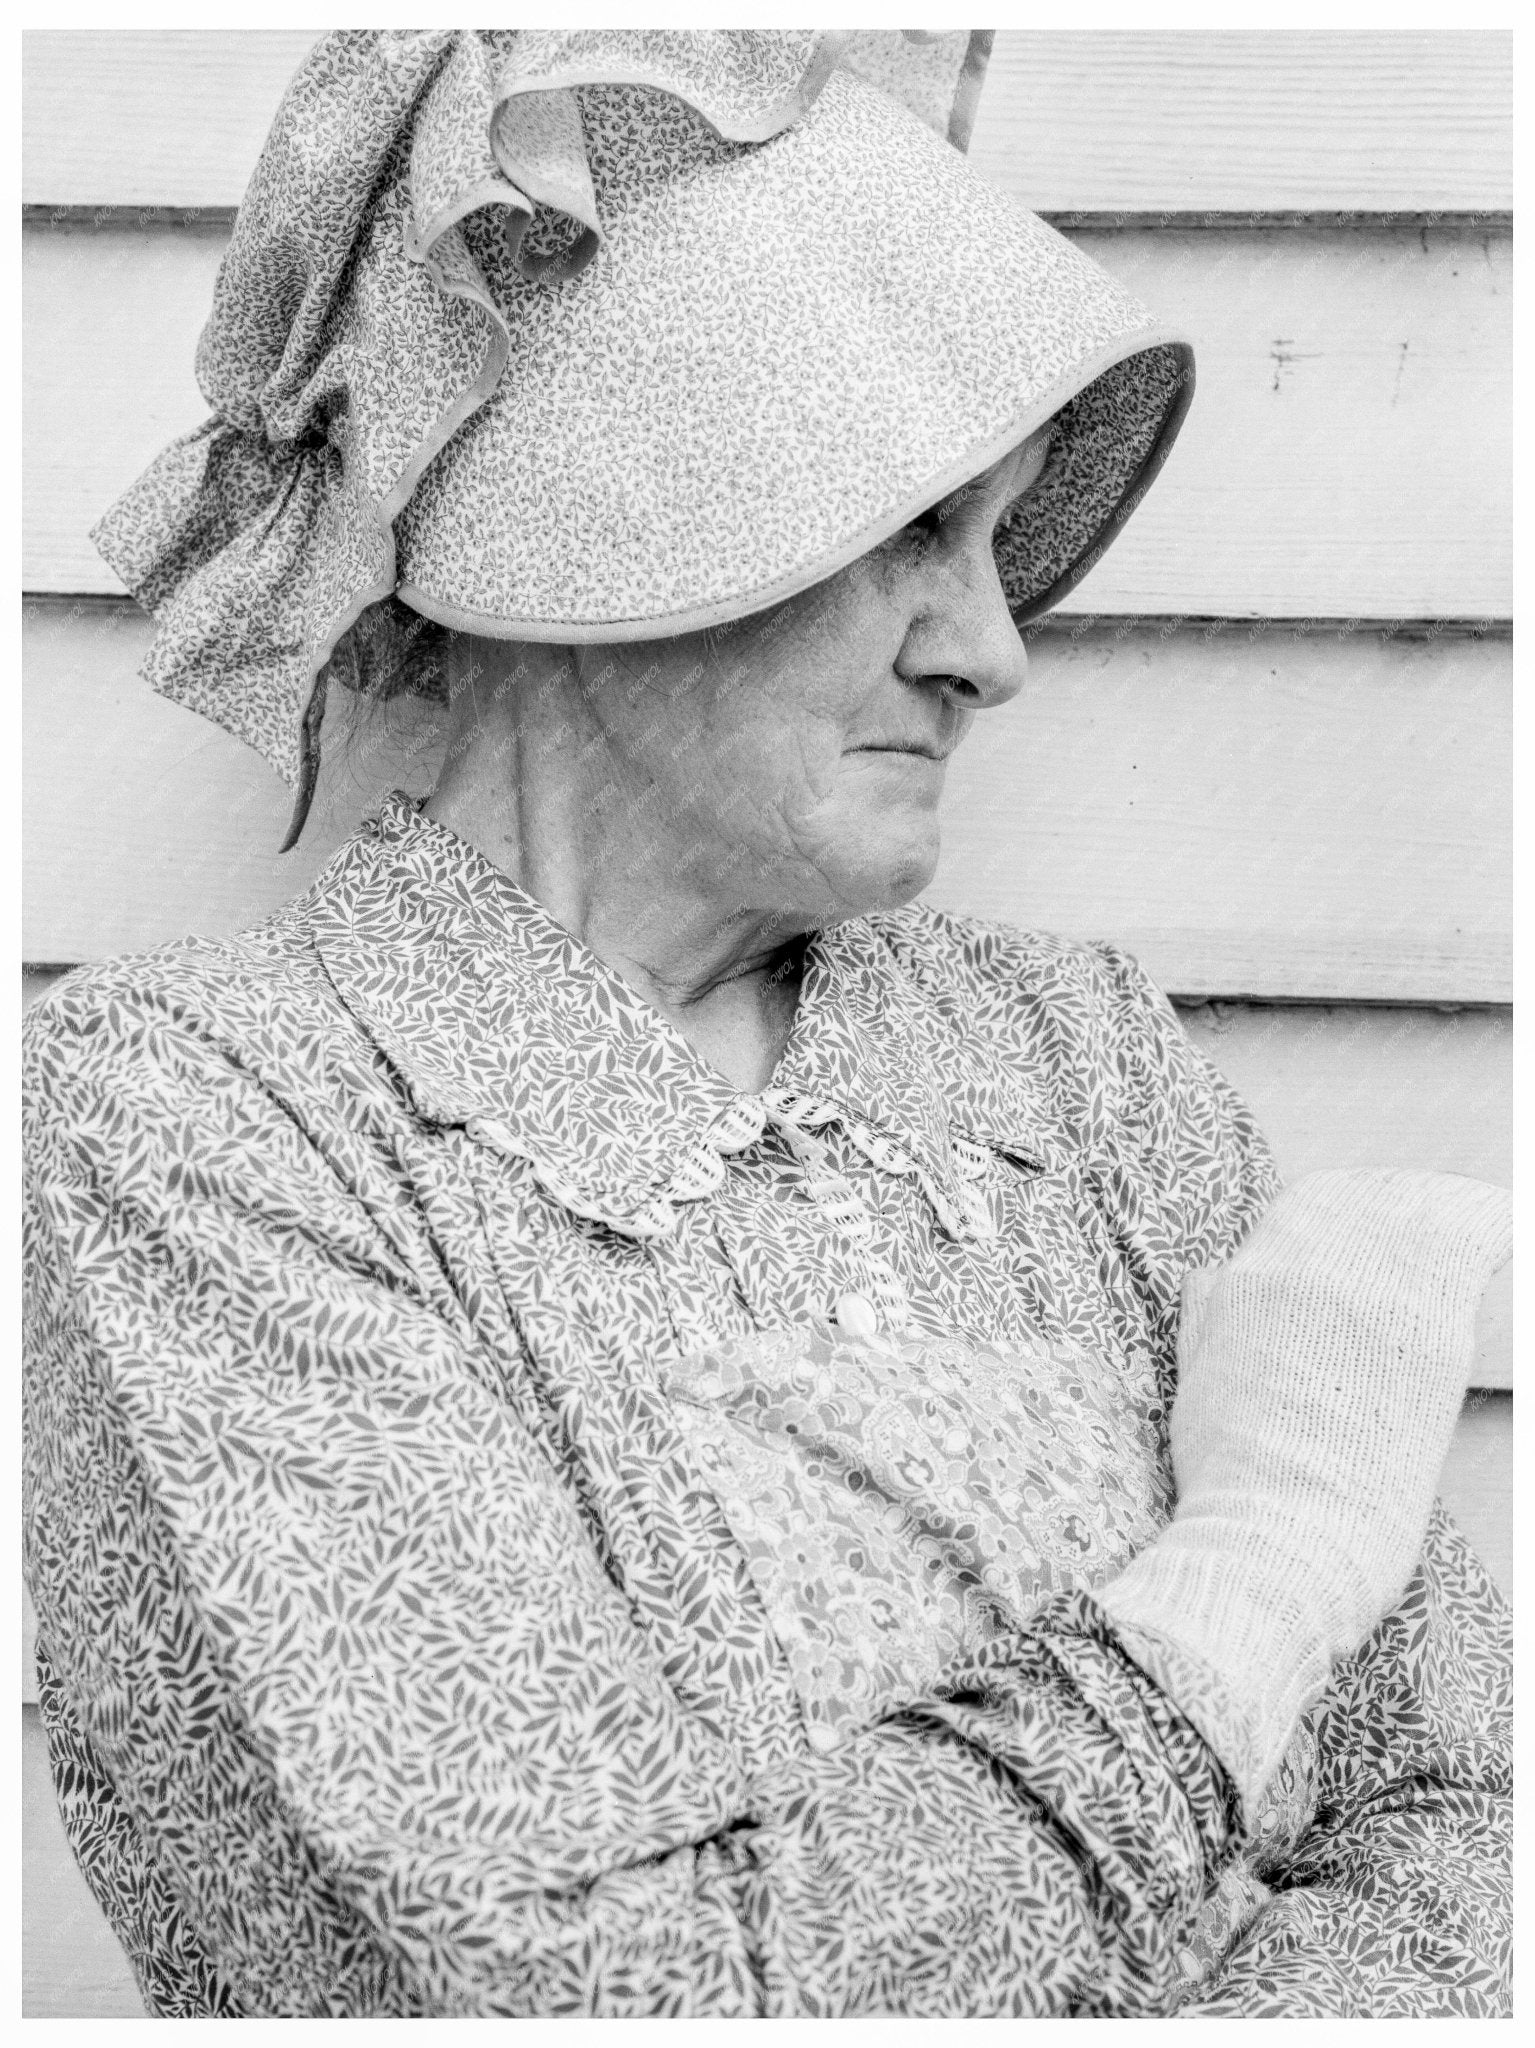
{"type": "Point", "coordinates": [765, 1076]}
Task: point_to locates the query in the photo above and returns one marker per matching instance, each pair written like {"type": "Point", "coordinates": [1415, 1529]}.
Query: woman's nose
{"type": "Point", "coordinates": [964, 633]}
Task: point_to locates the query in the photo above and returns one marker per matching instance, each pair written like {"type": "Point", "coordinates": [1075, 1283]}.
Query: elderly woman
{"type": "Point", "coordinates": [620, 1419]}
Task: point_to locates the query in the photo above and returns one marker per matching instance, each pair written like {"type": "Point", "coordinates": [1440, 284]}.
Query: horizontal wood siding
{"type": "Point", "coordinates": [1240, 122]}
{"type": "Point", "coordinates": [1347, 1086]}
{"type": "Point", "coordinates": [1318, 815]}
{"type": "Point", "coordinates": [1102, 122]}
{"type": "Point", "coordinates": [1346, 455]}
{"type": "Point", "coordinates": [1343, 1085]}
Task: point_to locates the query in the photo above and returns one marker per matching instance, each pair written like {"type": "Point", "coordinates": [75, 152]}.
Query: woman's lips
{"type": "Point", "coordinates": [924, 750]}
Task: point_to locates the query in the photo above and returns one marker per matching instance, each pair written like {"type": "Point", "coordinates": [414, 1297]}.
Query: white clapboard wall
{"type": "Point", "coordinates": [1266, 744]}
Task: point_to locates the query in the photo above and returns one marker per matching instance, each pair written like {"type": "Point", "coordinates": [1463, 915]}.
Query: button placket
{"type": "Point", "coordinates": [881, 1303]}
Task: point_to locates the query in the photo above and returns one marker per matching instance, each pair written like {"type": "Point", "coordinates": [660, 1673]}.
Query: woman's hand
{"type": "Point", "coordinates": [1321, 1372]}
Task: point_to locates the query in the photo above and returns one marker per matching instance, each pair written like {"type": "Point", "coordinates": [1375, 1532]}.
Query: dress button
{"type": "Point", "coordinates": [857, 1315]}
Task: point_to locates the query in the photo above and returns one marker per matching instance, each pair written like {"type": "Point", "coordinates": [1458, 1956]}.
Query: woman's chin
{"type": "Point", "coordinates": [879, 878]}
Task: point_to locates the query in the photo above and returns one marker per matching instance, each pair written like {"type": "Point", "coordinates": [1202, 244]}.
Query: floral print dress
{"type": "Point", "coordinates": [518, 1526]}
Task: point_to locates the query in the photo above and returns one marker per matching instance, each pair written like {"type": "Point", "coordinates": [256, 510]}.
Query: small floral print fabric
{"type": "Point", "coordinates": [902, 1501]}
{"type": "Point", "coordinates": [519, 1527]}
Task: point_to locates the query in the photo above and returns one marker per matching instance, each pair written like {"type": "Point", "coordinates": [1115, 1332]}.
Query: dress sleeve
{"type": "Point", "coordinates": [1396, 1902]}
{"type": "Point", "coordinates": [341, 1648]}
{"type": "Point", "coordinates": [1195, 1138]}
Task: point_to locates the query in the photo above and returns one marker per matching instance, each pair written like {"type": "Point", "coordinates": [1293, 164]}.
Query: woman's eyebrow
{"type": "Point", "coordinates": [979, 486]}
{"type": "Point", "coordinates": [1021, 459]}
{"type": "Point", "coordinates": [988, 481]}
{"type": "Point", "coordinates": [1023, 462]}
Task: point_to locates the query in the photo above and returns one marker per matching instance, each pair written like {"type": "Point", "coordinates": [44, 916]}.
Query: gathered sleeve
{"type": "Point", "coordinates": [1396, 1900]}
{"type": "Point", "coordinates": [331, 1639]}
{"type": "Point", "coordinates": [1179, 1120]}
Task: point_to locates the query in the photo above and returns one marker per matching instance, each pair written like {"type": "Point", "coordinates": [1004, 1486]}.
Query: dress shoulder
{"type": "Point", "coordinates": [1086, 1022]}
{"type": "Point", "coordinates": [189, 976]}
{"type": "Point", "coordinates": [1086, 1000]}
{"type": "Point", "coordinates": [194, 1017]}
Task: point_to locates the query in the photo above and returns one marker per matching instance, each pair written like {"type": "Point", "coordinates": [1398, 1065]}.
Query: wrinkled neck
{"type": "Point", "coordinates": [532, 778]}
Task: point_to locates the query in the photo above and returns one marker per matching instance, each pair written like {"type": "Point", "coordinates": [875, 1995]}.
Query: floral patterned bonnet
{"type": "Point", "coordinates": [609, 335]}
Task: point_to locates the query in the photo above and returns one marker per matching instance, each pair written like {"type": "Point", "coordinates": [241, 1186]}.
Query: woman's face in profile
{"type": "Point", "coordinates": [803, 752]}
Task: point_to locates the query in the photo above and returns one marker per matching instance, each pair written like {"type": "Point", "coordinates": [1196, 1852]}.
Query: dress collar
{"type": "Point", "coordinates": [497, 1019]}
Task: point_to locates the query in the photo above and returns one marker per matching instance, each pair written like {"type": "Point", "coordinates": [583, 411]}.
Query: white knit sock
{"type": "Point", "coordinates": [1320, 1375]}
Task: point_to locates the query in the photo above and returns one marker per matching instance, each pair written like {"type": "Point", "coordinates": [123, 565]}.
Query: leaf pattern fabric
{"type": "Point", "coordinates": [476, 1574]}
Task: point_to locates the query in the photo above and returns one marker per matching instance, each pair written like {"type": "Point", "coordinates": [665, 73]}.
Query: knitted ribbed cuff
{"type": "Point", "coordinates": [1202, 1617]}
{"type": "Point", "coordinates": [1383, 1228]}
